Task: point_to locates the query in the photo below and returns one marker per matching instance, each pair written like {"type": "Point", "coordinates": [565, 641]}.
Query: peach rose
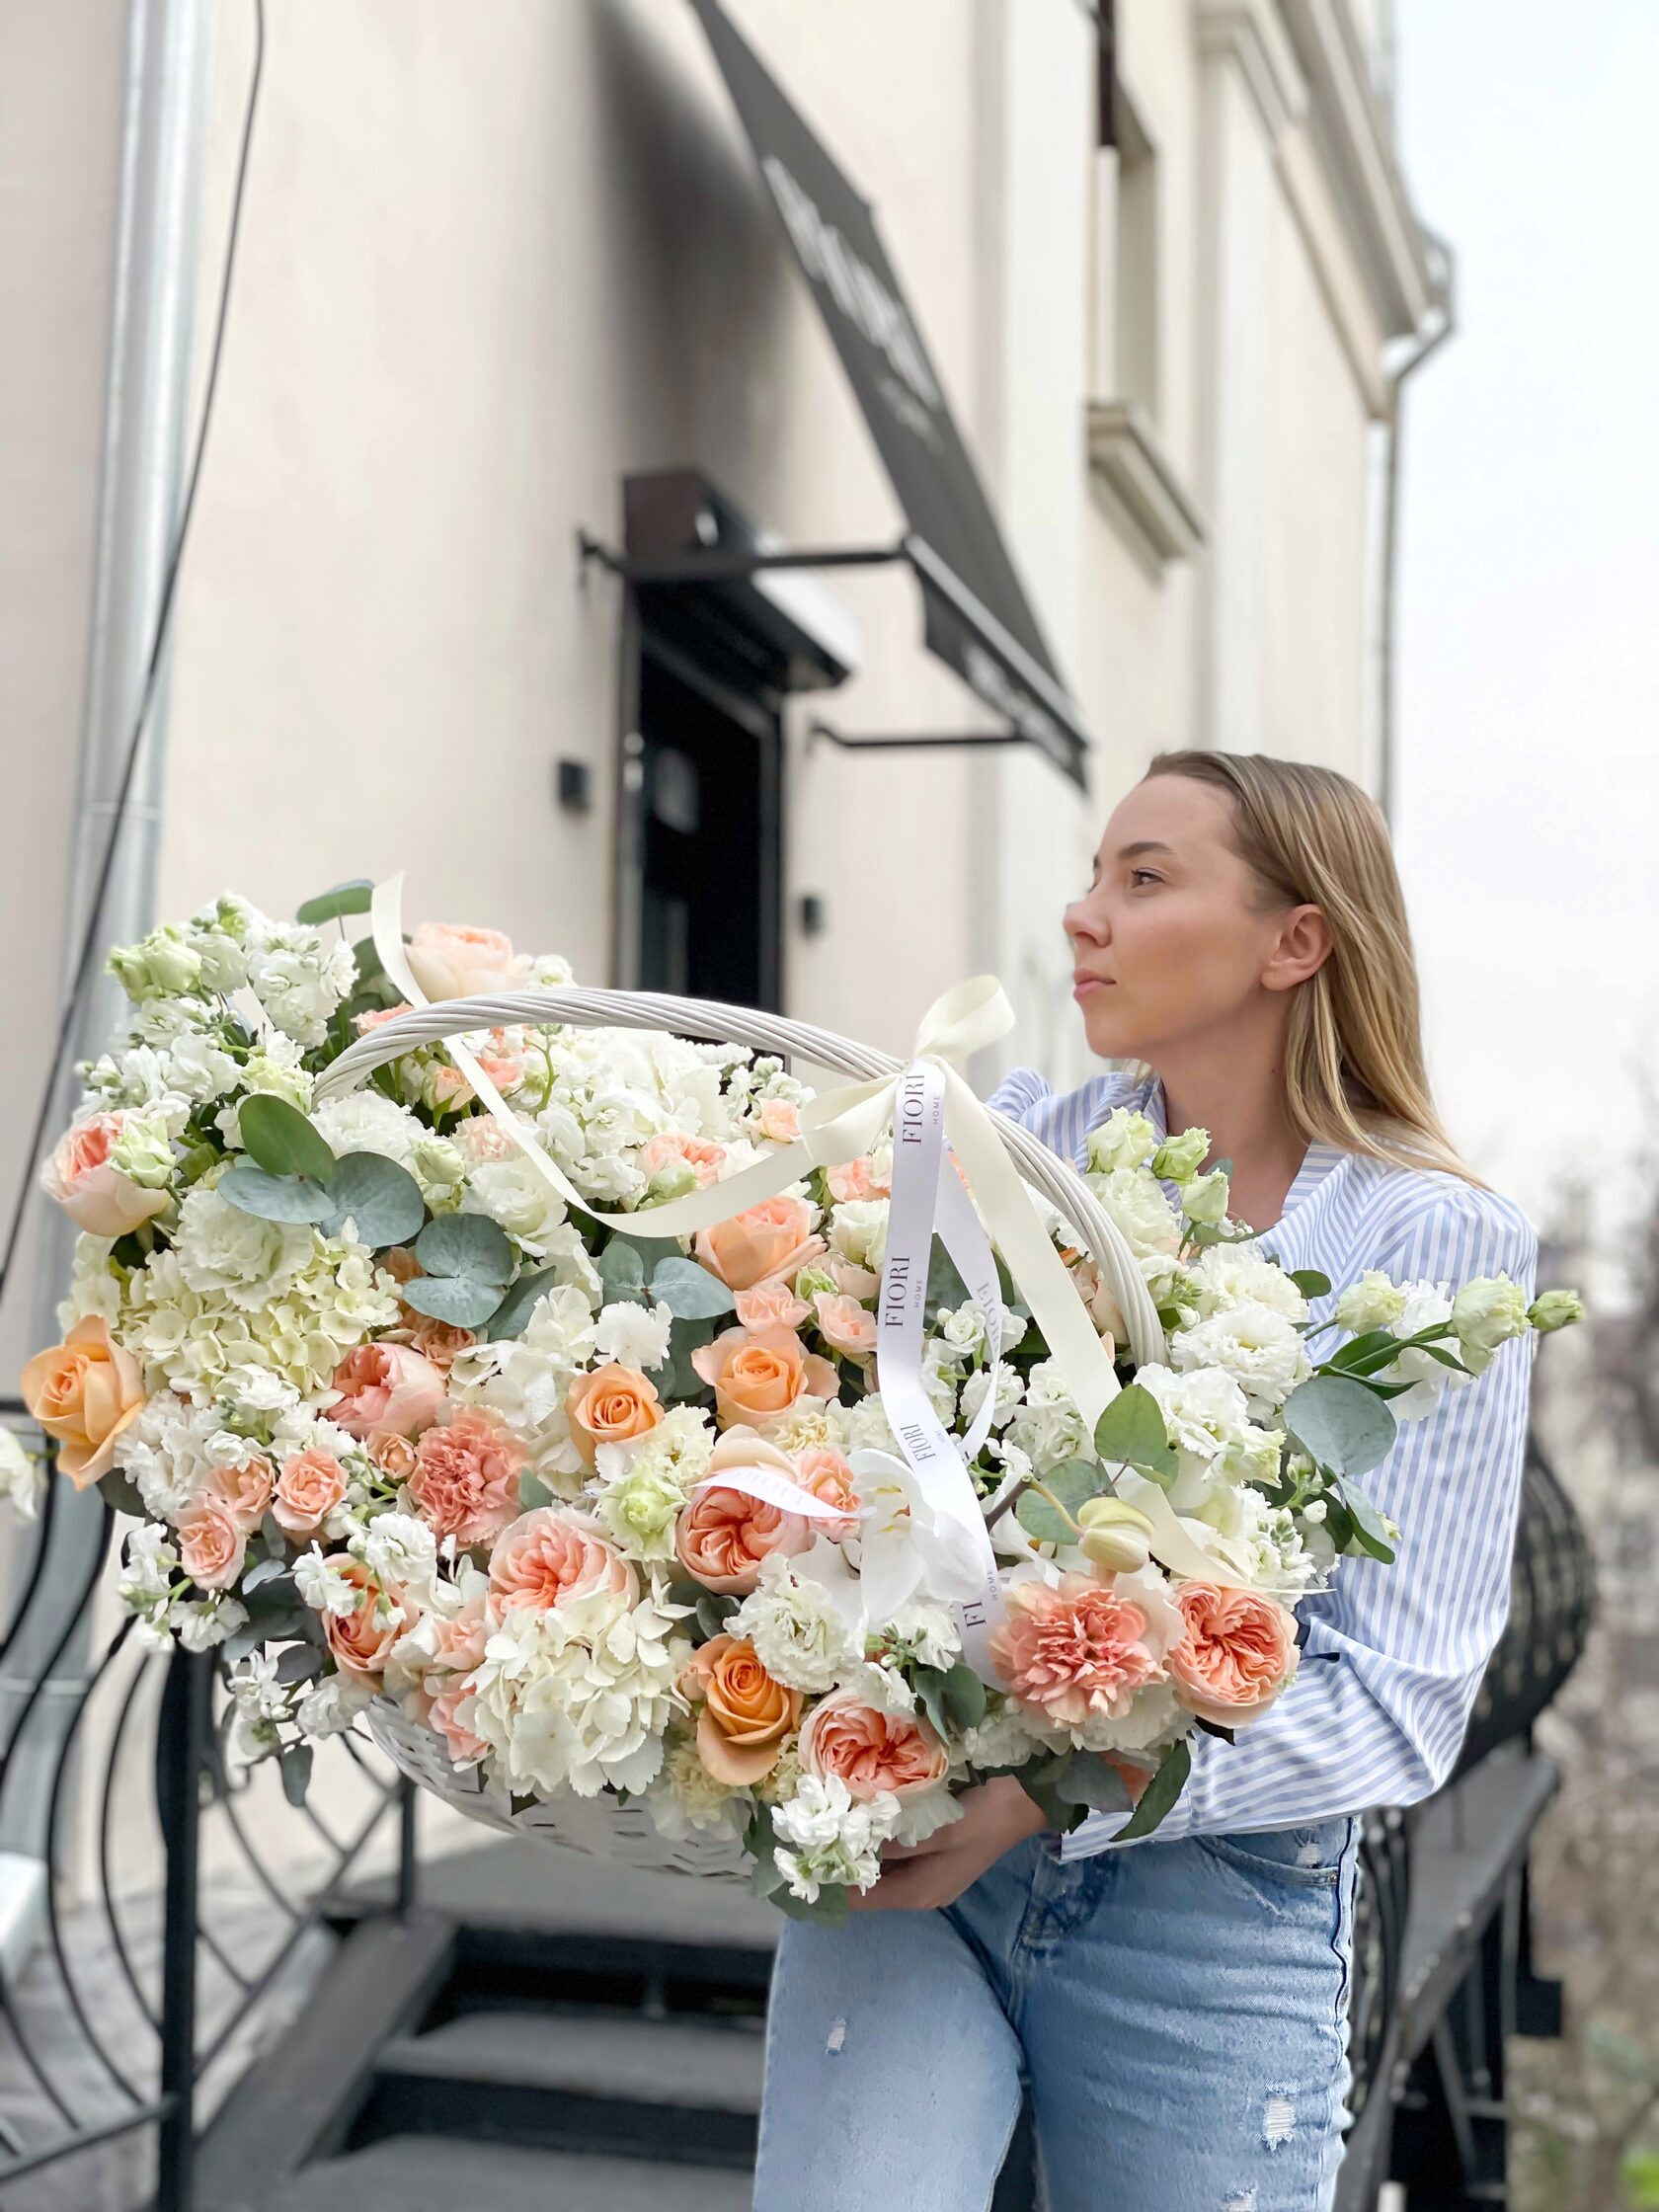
{"type": "Point", "coordinates": [393, 1455]}
{"type": "Point", "coordinates": [770, 1305]}
{"type": "Point", "coordinates": [1074, 1651]}
{"type": "Point", "coordinates": [757, 1375]}
{"type": "Point", "coordinates": [452, 960]}
{"type": "Point", "coordinates": [669, 1146]}
{"type": "Point", "coordinates": [1239, 1653]}
{"type": "Point", "coordinates": [746, 1715]}
{"type": "Point", "coordinates": [212, 1544]}
{"type": "Point", "coordinates": [723, 1535]}
{"type": "Point", "coordinates": [465, 1482]}
{"type": "Point", "coordinates": [361, 1641]}
{"type": "Point", "coordinates": [1103, 1308]}
{"type": "Point", "coordinates": [84, 1392]}
{"type": "Point", "coordinates": [386, 1387]}
{"type": "Point", "coordinates": [550, 1554]}
{"type": "Point", "coordinates": [851, 1278]}
{"type": "Point", "coordinates": [827, 1475]}
{"type": "Point", "coordinates": [855, 1178]}
{"type": "Point", "coordinates": [375, 1015]}
{"type": "Point", "coordinates": [442, 1717]}
{"type": "Point", "coordinates": [309, 1487]}
{"type": "Point", "coordinates": [92, 1191]}
{"type": "Point", "coordinates": [772, 1238]}
{"type": "Point", "coordinates": [243, 1493]}
{"type": "Point", "coordinates": [779, 1119]}
{"type": "Point", "coordinates": [609, 1406]}
{"type": "Point", "coordinates": [845, 1324]}
{"type": "Point", "coordinates": [871, 1751]}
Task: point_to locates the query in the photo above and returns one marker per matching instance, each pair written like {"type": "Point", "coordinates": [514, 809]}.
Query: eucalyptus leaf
{"type": "Point", "coordinates": [274, 1198]}
{"type": "Point", "coordinates": [282, 1139]}
{"type": "Point", "coordinates": [301, 1662]}
{"type": "Point", "coordinates": [353, 898]}
{"type": "Point", "coordinates": [366, 957]}
{"type": "Point", "coordinates": [511, 1316]}
{"type": "Point", "coordinates": [459, 1299]}
{"type": "Point", "coordinates": [120, 1491]}
{"type": "Point", "coordinates": [532, 1491]}
{"type": "Point", "coordinates": [689, 1291]}
{"type": "Point", "coordinates": [1072, 1482]}
{"type": "Point", "coordinates": [1339, 1423]}
{"type": "Point", "coordinates": [928, 1684]}
{"type": "Point", "coordinates": [1310, 1283]}
{"type": "Point", "coordinates": [468, 1246]}
{"type": "Point", "coordinates": [1086, 1779]}
{"type": "Point", "coordinates": [621, 1268]}
{"type": "Point", "coordinates": [830, 1911]}
{"type": "Point", "coordinates": [714, 1610]}
{"type": "Point", "coordinates": [964, 1695]}
{"type": "Point", "coordinates": [1132, 1431]}
{"type": "Point", "coordinates": [1160, 1794]}
{"type": "Point", "coordinates": [295, 1763]}
{"type": "Point", "coordinates": [382, 1198]}
{"type": "Point", "coordinates": [262, 1572]}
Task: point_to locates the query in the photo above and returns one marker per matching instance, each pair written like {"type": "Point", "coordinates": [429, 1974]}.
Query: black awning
{"type": "Point", "coordinates": [979, 619]}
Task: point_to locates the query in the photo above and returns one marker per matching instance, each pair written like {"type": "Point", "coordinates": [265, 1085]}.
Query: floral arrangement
{"type": "Point", "coordinates": [608, 1512]}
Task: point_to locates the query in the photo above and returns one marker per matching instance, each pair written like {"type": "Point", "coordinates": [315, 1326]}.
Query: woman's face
{"type": "Point", "coordinates": [1169, 940]}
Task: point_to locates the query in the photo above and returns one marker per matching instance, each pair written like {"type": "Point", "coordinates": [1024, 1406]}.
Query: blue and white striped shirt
{"type": "Point", "coordinates": [1394, 1654]}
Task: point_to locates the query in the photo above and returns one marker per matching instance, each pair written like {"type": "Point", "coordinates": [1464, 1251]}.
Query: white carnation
{"type": "Point", "coordinates": [224, 1251]}
{"type": "Point", "coordinates": [798, 1633]}
{"type": "Point", "coordinates": [1227, 1274]}
{"type": "Point", "coordinates": [637, 1335]}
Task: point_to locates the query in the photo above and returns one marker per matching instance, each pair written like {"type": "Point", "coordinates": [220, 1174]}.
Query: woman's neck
{"type": "Point", "coordinates": [1240, 1098]}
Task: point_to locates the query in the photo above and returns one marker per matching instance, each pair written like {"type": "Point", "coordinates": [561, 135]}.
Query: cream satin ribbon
{"type": "Point", "coordinates": [841, 1124]}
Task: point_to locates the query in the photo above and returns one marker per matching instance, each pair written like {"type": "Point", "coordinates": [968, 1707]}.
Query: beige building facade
{"type": "Point", "coordinates": [498, 262]}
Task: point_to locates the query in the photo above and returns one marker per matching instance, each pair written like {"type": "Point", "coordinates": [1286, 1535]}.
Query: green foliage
{"type": "Point", "coordinates": [1160, 1794]}
{"type": "Point", "coordinates": [120, 1491]}
{"type": "Point", "coordinates": [1309, 1282]}
{"type": "Point", "coordinates": [1072, 1482]}
{"type": "Point", "coordinates": [282, 1139]}
{"type": "Point", "coordinates": [295, 1763]}
{"type": "Point", "coordinates": [621, 1269]}
{"type": "Point", "coordinates": [1341, 1423]}
{"type": "Point", "coordinates": [382, 1198]}
{"type": "Point", "coordinates": [1368, 1527]}
{"type": "Point", "coordinates": [1132, 1432]}
{"type": "Point", "coordinates": [468, 1260]}
{"type": "Point", "coordinates": [512, 1316]}
{"type": "Point", "coordinates": [689, 1291]}
{"type": "Point", "coordinates": [352, 897]}
{"type": "Point", "coordinates": [292, 1199]}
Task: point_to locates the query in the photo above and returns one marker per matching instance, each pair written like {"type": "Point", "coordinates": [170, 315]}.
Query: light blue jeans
{"type": "Point", "coordinates": [1179, 2012]}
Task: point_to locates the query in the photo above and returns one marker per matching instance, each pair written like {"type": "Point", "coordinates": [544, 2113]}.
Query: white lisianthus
{"type": "Point", "coordinates": [797, 1629]}
{"type": "Point", "coordinates": [1227, 1275]}
{"type": "Point", "coordinates": [516, 1197]}
{"type": "Point", "coordinates": [1372, 1302]}
{"type": "Point", "coordinates": [1205, 1198]}
{"type": "Point", "coordinates": [1485, 1314]}
{"type": "Point", "coordinates": [646, 1483]}
{"type": "Point", "coordinates": [1124, 1141]}
{"type": "Point", "coordinates": [1179, 1158]}
{"type": "Point", "coordinates": [1555, 1309]}
{"type": "Point", "coordinates": [440, 1168]}
{"type": "Point", "coordinates": [1204, 1408]}
{"type": "Point", "coordinates": [827, 1840]}
{"type": "Point", "coordinates": [1137, 1203]}
{"type": "Point", "coordinates": [580, 1695]}
{"type": "Point", "coordinates": [1258, 1347]}
{"type": "Point", "coordinates": [367, 1121]}
{"type": "Point", "coordinates": [23, 1478]}
{"type": "Point", "coordinates": [858, 1231]}
{"type": "Point", "coordinates": [1427, 1305]}
{"type": "Point", "coordinates": [144, 1151]}
{"type": "Point", "coordinates": [637, 1335]}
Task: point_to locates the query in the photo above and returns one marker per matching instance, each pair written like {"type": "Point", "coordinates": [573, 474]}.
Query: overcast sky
{"type": "Point", "coordinates": [1529, 672]}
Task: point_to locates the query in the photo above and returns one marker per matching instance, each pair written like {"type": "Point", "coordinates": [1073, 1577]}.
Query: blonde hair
{"type": "Point", "coordinates": [1354, 1072]}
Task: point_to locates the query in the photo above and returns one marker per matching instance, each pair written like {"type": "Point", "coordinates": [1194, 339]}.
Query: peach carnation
{"type": "Point", "coordinates": [1073, 1653]}
{"type": "Point", "coordinates": [465, 1482]}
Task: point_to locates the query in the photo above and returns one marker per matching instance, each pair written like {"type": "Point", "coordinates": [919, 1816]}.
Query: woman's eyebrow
{"type": "Point", "coordinates": [1144, 844]}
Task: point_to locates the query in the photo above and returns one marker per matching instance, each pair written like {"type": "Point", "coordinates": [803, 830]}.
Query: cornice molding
{"type": "Point", "coordinates": [1250, 34]}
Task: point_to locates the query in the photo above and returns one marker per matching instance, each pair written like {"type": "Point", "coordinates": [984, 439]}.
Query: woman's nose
{"type": "Point", "coordinates": [1081, 919]}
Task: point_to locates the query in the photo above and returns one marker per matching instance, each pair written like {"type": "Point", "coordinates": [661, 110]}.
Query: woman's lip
{"type": "Point", "coordinates": [1082, 985]}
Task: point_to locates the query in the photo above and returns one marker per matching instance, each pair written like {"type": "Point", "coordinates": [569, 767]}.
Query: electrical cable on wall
{"type": "Point", "coordinates": [86, 959]}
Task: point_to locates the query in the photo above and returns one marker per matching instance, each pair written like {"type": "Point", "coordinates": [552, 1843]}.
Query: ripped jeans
{"type": "Point", "coordinates": [1178, 2011]}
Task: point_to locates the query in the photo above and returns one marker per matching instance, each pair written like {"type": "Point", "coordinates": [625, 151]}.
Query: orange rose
{"type": "Point", "coordinates": [1239, 1653]}
{"type": "Point", "coordinates": [611, 1405]}
{"type": "Point", "coordinates": [772, 1238]}
{"type": "Point", "coordinates": [757, 1375]}
{"type": "Point", "coordinates": [746, 1715]}
{"type": "Point", "coordinates": [84, 1392]}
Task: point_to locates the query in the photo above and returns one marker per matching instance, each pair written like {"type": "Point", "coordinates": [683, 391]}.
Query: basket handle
{"type": "Point", "coordinates": [1054, 1178]}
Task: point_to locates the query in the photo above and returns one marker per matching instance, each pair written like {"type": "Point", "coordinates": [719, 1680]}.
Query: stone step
{"type": "Point", "coordinates": [617, 2083]}
{"type": "Point", "coordinates": [436, 2173]}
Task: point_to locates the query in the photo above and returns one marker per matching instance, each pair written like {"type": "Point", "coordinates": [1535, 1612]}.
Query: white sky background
{"type": "Point", "coordinates": [1528, 781]}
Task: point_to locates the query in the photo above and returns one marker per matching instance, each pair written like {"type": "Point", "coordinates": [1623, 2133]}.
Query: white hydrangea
{"type": "Point", "coordinates": [827, 1840]}
{"type": "Point", "coordinates": [1254, 1344]}
{"type": "Point", "coordinates": [580, 1695]}
{"type": "Point", "coordinates": [635, 1334]}
{"type": "Point", "coordinates": [797, 1629]}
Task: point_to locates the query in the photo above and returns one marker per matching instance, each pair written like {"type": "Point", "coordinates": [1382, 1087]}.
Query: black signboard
{"type": "Point", "coordinates": [977, 617]}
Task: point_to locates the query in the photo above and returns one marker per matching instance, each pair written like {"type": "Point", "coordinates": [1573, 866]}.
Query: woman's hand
{"type": "Point", "coordinates": [995, 1817]}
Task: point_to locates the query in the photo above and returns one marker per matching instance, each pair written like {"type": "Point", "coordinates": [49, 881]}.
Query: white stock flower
{"type": "Point", "coordinates": [23, 1478]}
{"type": "Point", "coordinates": [1257, 1346]}
{"type": "Point", "coordinates": [1011, 1390]}
{"type": "Point", "coordinates": [328, 1706]}
{"type": "Point", "coordinates": [829, 1839]}
{"type": "Point", "coordinates": [200, 1623]}
{"type": "Point", "coordinates": [95, 1285]}
{"type": "Point", "coordinates": [923, 1635]}
{"type": "Point", "coordinates": [637, 1335]}
{"type": "Point", "coordinates": [580, 1695]}
{"type": "Point", "coordinates": [523, 1379]}
{"type": "Point", "coordinates": [323, 1587]}
{"type": "Point", "coordinates": [297, 982]}
{"type": "Point", "coordinates": [798, 1631]}
{"type": "Point", "coordinates": [1048, 1427]}
{"type": "Point", "coordinates": [397, 1547]}
{"type": "Point", "coordinates": [925, 1814]}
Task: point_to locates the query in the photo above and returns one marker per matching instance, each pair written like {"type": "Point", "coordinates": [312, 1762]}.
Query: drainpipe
{"type": "Point", "coordinates": [1440, 325]}
{"type": "Point", "coordinates": [146, 404]}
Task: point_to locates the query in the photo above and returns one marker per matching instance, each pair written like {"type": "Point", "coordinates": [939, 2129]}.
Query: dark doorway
{"type": "Point", "coordinates": [702, 784]}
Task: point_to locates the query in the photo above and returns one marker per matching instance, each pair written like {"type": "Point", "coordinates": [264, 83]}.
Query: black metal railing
{"type": "Point", "coordinates": [161, 1892]}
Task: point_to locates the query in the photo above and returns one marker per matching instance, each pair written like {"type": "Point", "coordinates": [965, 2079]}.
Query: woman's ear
{"type": "Point", "coordinates": [1300, 949]}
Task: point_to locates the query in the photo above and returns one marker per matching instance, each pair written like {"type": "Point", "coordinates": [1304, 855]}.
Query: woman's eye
{"type": "Point", "coordinates": [1145, 874]}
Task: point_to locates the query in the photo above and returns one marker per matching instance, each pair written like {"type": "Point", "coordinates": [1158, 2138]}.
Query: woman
{"type": "Point", "coordinates": [1178, 2006]}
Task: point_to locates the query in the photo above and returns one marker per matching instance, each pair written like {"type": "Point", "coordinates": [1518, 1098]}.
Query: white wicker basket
{"type": "Point", "coordinates": [604, 1826]}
